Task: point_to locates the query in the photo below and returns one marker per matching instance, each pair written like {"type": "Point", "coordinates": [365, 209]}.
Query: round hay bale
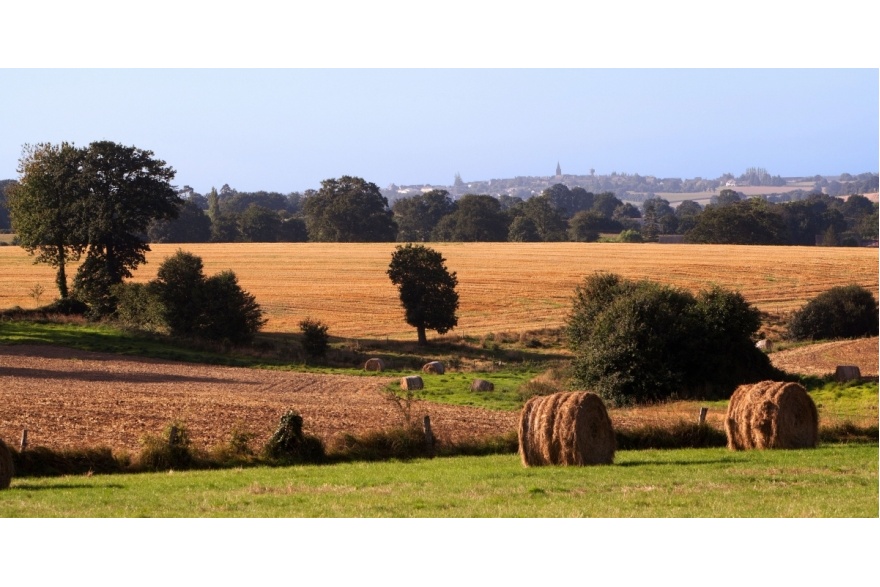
{"type": "Point", "coordinates": [411, 383]}
{"type": "Point", "coordinates": [567, 428]}
{"type": "Point", "coordinates": [374, 365]}
{"type": "Point", "coordinates": [847, 373]}
{"type": "Point", "coordinates": [6, 468]}
{"type": "Point", "coordinates": [771, 414]}
{"type": "Point", "coordinates": [435, 367]}
{"type": "Point", "coordinates": [482, 385]}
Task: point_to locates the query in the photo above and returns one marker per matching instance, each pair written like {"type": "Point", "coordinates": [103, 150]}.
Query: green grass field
{"type": "Point", "coordinates": [836, 481]}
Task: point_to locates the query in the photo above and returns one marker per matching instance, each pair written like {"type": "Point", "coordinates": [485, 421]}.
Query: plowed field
{"type": "Point", "coordinates": [67, 398]}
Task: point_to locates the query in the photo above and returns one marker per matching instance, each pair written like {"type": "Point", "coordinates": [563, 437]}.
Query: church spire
{"type": "Point", "coordinates": [558, 169]}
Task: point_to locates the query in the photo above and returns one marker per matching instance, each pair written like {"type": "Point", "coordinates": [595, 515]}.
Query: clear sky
{"type": "Point", "coordinates": [272, 102]}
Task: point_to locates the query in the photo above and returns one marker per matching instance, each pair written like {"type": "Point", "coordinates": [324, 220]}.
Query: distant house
{"type": "Point", "coordinates": [731, 183]}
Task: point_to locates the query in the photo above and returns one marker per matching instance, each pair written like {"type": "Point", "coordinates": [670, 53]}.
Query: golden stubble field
{"type": "Point", "coordinates": [503, 287]}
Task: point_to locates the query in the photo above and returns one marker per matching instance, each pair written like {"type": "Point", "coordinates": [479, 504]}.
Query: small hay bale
{"type": "Point", "coordinates": [435, 367]}
{"type": "Point", "coordinates": [6, 468]}
{"type": "Point", "coordinates": [566, 428]}
{"type": "Point", "coordinates": [482, 385]}
{"type": "Point", "coordinates": [847, 373]}
{"type": "Point", "coordinates": [771, 414]}
{"type": "Point", "coordinates": [765, 345]}
{"type": "Point", "coordinates": [411, 383]}
{"type": "Point", "coordinates": [374, 365]}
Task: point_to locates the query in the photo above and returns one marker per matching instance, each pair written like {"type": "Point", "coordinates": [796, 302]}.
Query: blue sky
{"type": "Point", "coordinates": [287, 129]}
{"type": "Point", "coordinates": [261, 98]}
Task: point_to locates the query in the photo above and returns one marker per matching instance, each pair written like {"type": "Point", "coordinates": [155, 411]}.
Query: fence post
{"type": "Point", "coordinates": [429, 436]}
{"type": "Point", "coordinates": [23, 440]}
{"type": "Point", "coordinates": [703, 415]}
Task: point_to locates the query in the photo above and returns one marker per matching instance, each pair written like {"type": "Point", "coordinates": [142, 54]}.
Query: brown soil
{"type": "Point", "coordinates": [823, 359]}
{"type": "Point", "coordinates": [67, 398]}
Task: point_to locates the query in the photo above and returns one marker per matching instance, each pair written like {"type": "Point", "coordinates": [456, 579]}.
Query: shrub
{"type": "Point", "coordinates": [169, 451]}
{"type": "Point", "coordinates": [848, 311]}
{"type": "Point", "coordinates": [640, 341]}
{"type": "Point", "coordinates": [315, 339]}
{"type": "Point", "coordinates": [630, 236]}
{"type": "Point", "coordinates": [213, 307]}
{"type": "Point", "coordinates": [139, 307]}
{"type": "Point", "coordinates": [288, 443]}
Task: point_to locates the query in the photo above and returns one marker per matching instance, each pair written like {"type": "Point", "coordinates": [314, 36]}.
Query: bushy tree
{"type": "Point", "coordinates": [640, 341]}
{"type": "Point", "coordinates": [349, 210]}
{"type": "Point", "coordinates": [315, 339]}
{"type": "Point", "coordinates": [126, 189]}
{"type": "Point", "coordinates": [215, 307]}
{"type": "Point", "coordinates": [46, 206]}
{"type": "Point", "coordinates": [426, 288]}
{"type": "Point", "coordinates": [848, 311]}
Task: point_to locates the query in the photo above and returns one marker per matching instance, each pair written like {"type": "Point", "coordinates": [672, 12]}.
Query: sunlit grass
{"type": "Point", "coordinates": [831, 481]}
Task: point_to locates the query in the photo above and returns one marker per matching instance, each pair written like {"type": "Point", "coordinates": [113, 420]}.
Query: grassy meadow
{"type": "Point", "coordinates": [830, 481]}
{"type": "Point", "coordinates": [503, 287]}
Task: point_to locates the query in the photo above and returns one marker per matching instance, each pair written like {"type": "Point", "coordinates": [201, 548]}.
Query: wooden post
{"type": "Point", "coordinates": [703, 415]}
{"type": "Point", "coordinates": [23, 440]}
{"type": "Point", "coordinates": [429, 436]}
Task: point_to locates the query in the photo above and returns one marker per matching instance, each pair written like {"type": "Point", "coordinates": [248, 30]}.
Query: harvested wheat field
{"type": "Point", "coordinates": [503, 287]}
{"type": "Point", "coordinates": [822, 359]}
{"type": "Point", "coordinates": [67, 398]}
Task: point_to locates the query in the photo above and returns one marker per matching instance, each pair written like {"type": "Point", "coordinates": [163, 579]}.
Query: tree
{"type": "Point", "coordinates": [637, 341]}
{"type": "Point", "coordinates": [191, 226]}
{"type": "Point", "coordinates": [418, 216]}
{"type": "Point", "coordinates": [848, 311]}
{"type": "Point", "coordinates": [125, 190]}
{"type": "Point", "coordinates": [213, 307]}
{"type": "Point", "coordinates": [478, 218]}
{"type": "Point", "coordinates": [46, 206]}
{"type": "Point", "coordinates": [348, 210]}
{"type": "Point", "coordinates": [750, 222]}
{"type": "Point", "coordinates": [426, 287]}
{"type": "Point", "coordinates": [258, 224]}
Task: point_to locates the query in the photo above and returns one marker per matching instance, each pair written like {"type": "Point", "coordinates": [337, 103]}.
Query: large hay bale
{"type": "Point", "coordinates": [765, 345]}
{"type": "Point", "coordinates": [482, 385]}
{"type": "Point", "coordinates": [6, 468]}
{"type": "Point", "coordinates": [411, 383]}
{"type": "Point", "coordinates": [435, 367]}
{"type": "Point", "coordinates": [374, 365]}
{"type": "Point", "coordinates": [845, 373]}
{"type": "Point", "coordinates": [771, 414]}
{"type": "Point", "coordinates": [567, 428]}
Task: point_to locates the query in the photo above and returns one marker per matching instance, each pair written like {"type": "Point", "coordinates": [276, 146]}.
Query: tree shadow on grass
{"type": "Point", "coordinates": [30, 487]}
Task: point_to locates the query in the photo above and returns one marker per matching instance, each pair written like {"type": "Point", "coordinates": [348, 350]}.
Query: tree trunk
{"type": "Point", "coordinates": [422, 338]}
{"type": "Point", "coordinates": [61, 277]}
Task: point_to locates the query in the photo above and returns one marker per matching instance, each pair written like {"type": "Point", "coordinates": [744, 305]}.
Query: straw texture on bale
{"type": "Point", "coordinates": [411, 383]}
{"type": "Point", "coordinates": [482, 385]}
{"type": "Point", "coordinates": [6, 470]}
{"type": "Point", "coordinates": [435, 367]}
{"type": "Point", "coordinates": [374, 365]}
{"type": "Point", "coordinates": [847, 373]}
{"type": "Point", "coordinates": [771, 414]}
{"type": "Point", "coordinates": [567, 428]}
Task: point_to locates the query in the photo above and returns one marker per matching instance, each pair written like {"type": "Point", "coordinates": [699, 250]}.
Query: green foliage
{"type": "Point", "coordinates": [641, 341]}
{"type": "Point", "coordinates": [629, 236]}
{"type": "Point", "coordinates": [258, 224]}
{"type": "Point", "coordinates": [426, 288]}
{"type": "Point", "coordinates": [139, 307]}
{"type": "Point", "coordinates": [46, 206]}
{"type": "Point", "coordinates": [349, 210]}
{"type": "Point", "coordinates": [396, 443]}
{"type": "Point", "coordinates": [315, 340]}
{"type": "Point", "coordinates": [172, 450]}
{"type": "Point", "coordinates": [215, 307]}
{"type": "Point", "coordinates": [747, 222]}
{"type": "Point", "coordinates": [288, 442]}
{"type": "Point", "coordinates": [477, 218]}
{"type": "Point", "coordinates": [417, 216]}
{"type": "Point", "coordinates": [192, 225]}
{"type": "Point", "coordinates": [848, 311]}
